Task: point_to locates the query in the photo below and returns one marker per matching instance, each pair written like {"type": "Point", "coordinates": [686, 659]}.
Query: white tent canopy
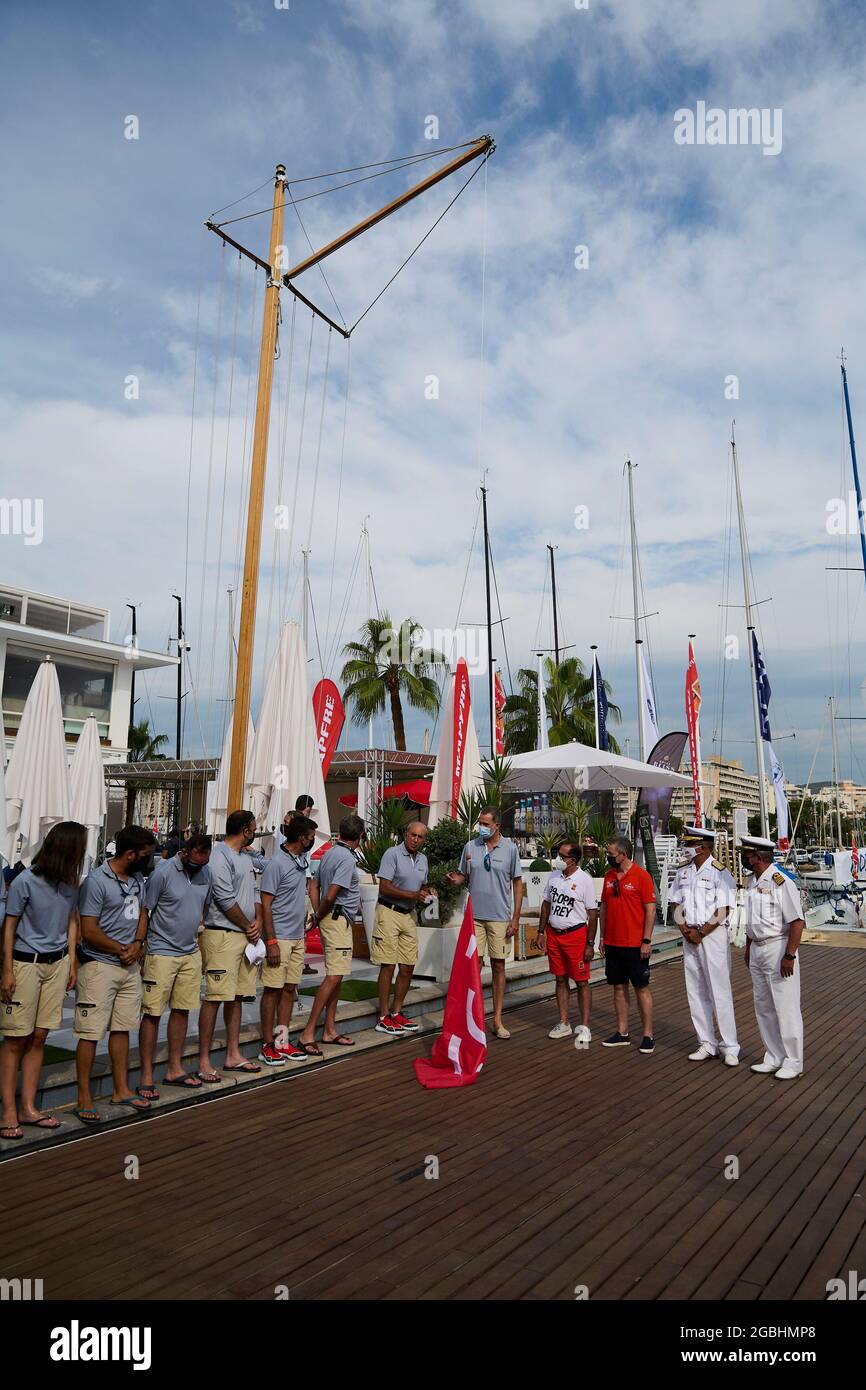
{"type": "Point", "coordinates": [87, 783]}
{"type": "Point", "coordinates": [217, 805]}
{"type": "Point", "coordinates": [472, 778]}
{"type": "Point", "coordinates": [285, 761]}
{"type": "Point", "coordinates": [37, 778]}
{"type": "Point", "coordinates": [575, 767]}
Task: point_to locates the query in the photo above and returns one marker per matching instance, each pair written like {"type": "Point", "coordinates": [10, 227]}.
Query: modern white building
{"type": "Point", "coordinates": [95, 674]}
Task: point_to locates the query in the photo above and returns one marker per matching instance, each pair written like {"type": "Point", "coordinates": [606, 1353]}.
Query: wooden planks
{"type": "Point", "coordinates": [558, 1169]}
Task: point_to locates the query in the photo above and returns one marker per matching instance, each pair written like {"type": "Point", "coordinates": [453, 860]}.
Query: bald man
{"type": "Point", "coordinates": [402, 886]}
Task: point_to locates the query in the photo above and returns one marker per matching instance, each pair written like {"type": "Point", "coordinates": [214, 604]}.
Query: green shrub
{"type": "Point", "coordinates": [445, 843]}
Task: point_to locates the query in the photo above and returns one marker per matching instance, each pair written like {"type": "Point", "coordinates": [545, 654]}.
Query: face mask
{"type": "Point", "coordinates": [559, 862]}
{"type": "Point", "coordinates": [688, 855]}
{"type": "Point", "coordinates": [192, 869]}
{"type": "Point", "coordinates": [613, 861]}
{"type": "Point", "coordinates": [484, 832]}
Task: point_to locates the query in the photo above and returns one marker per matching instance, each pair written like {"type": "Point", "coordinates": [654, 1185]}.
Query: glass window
{"type": "Point", "coordinates": [85, 689]}
{"type": "Point", "coordinates": [10, 607]}
{"type": "Point", "coordinates": [83, 623]}
{"type": "Point", "coordinates": [50, 617]}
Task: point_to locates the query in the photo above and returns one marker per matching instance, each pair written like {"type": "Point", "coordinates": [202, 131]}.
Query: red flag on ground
{"type": "Point", "coordinates": [459, 1051]}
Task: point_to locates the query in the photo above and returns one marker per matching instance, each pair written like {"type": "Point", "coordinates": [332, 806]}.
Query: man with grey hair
{"type": "Point", "coordinates": [491, 865]}
{"type": "Point", "coordinates": [402, 886]}
{"type": "Point", "coordinates": [627, 915]}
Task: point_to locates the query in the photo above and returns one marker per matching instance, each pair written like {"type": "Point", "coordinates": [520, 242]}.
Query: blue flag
{"type": "Point", "coordinates": [762, 681]}
{"type": "Point", "coordinates": [601, 708]}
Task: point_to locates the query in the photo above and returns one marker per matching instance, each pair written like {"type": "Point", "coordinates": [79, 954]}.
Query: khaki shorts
{"type": "Point", "coordinates": [171, 981]}
{"type": "Point", "coordinates": [492, 941]}
{"type": "Point", "coordinates": [38, 997]}
{"type": "Point", "coordinates": [288, 972]}
{"type": "Point", "coordinates": [227, 972]}
{"type": "Point", "coordinates": [395, 937]}
{"type": "Point", "coordinates": [107, 999]}
{"type": "Point", "coordinates": [336, 934]}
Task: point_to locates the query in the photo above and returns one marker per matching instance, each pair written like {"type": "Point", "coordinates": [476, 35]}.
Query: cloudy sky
{"type": "Point", "coordinates": [704, 262]}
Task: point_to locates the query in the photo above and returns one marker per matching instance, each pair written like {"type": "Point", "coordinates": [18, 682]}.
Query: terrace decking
{"type": "Point", "coordinates": [558, 1168]}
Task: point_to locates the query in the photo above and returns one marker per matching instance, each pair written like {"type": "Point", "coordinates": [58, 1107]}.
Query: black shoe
{"type": "Point", "coordinates": [617, 1040]}
{"type": "Point", "coordinates": [647, 1046]}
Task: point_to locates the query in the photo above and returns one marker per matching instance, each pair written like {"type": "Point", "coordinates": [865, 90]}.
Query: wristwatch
{"type": "Point", "coordinates": [788, 956]}
{"type": "Point", "coordinates": [647, 941]}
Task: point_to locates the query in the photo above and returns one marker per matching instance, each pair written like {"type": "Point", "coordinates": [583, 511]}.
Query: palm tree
{"type": "Point", "coordinates": [386, 664]}
{"type": "Point", "coordinates": [570, 707]}
{"type": "Point", "coordinates": [143, 748]}
{"type": "Point", "coordinates": [724, 807]}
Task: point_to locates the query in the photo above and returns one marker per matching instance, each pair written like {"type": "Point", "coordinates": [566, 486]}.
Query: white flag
{"type": "Point", "coordinates": [781, 800]}
{"type": "Point", "coordinates": [648, 713]}
{"type": "Point", "coordinates": [543, 741]}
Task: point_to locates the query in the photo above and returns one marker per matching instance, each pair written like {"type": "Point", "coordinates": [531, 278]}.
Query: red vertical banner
{"type": "Point", "coordinates": [461, 1048]}
{"type": "Point", "coordinates": [693, 709]}
{"type": "Point", "coordinates": [499, 704]}
{"type": "Point", "coordinates": [855, 860]}
{"type": "Point", "coordinates": [329, 716]}
{"type": "Point", "coordinates": [461, 724]}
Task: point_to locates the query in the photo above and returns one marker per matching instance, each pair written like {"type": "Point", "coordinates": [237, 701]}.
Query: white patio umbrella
{"type": "Point", "coordinates": [37, 778]}
{"type": "Point", "coordinates": [472, 778]}
{"type": "Point", "coordinates": [218, 807]}
{"type": "Point", "coordinates": [285, 761]}
{"type": "Point", "coordinates": [87, 784]}
{"type": "Point", "coordinates": [573, 767]}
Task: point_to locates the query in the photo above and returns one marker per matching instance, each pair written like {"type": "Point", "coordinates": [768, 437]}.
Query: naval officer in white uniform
{"type": "Point", "coordinates": [704, 892]}
{"type": "Point", "coordinates": [774, 925]}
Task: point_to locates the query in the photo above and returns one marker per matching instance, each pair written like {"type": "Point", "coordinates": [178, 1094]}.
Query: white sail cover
{"type": "Point", "coordinates": [285, 761]}
{"type": "Point", "coordinates": [472, 778]}
{"type": "Point", "coordinates": [37, 778]}
{"type": "Point", "coordinates": [218, 807]}
{"type": "Point", "coordinates": [87, 784]}
{"type": "Point", "coordinates": [576, 767]}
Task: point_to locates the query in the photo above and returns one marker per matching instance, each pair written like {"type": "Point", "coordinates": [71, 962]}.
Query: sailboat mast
{"type": "Point", "coordinates": [634, 588]}
{"type": "Point", "coordinates": [835, 770]}
{"type": "Point", "coordinates": [551, 548]}
{"type": "Point", "coordinates": [594, 649]}
{"type": "Point", "coordinates": [255, 510]}
{"type": "Point", "coordinates": [750, 627]}
{"type": "Point", "coordinates": [305, 624]}
{"type": "Point", "coordinates": [861, 520]}
{"type": "Point", "coordinates": [489, 623]}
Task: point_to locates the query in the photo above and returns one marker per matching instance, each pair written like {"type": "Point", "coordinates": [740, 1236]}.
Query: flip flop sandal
{"type": "Point", "coordinates": [134, 1103]}
{"type": "Point", "coordinates": [184, 1083]}
{"type": "Point", "coordinates": [249, 1067]}
{"type": "Point", "coordinates": [11, 1132]}
{"type": "Point", "coordinates": [339, 1041]}
{"type": "Point", "coordinates": [44, 1122]}
{"type": "Point", "coordinates": [310, 1049]}
{"type": "Point", "coordinates": [147, 1092]}
{"type": "Point", "coordinates": [208, 1078]}
{"type": "Point", "coordinates": [90, 1117]}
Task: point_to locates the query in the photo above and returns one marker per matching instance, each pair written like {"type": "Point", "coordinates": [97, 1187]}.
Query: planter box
{"type": "Point", "coordinates": [369, 898]}
{"type": "Point", "coordinates": [437, 941]}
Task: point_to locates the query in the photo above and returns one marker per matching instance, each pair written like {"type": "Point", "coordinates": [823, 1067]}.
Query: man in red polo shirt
{"type": "Point", "coordinates": [626, 918]}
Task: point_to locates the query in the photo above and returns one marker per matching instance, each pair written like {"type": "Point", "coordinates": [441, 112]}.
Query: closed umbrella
{"type": "Point", "coordinates": [472, 777]}
{"type": "Point", "coordinates": [285, 762]}
{"type": "Point", "coordinates": [218, 807]}
{"type": "Point", "coordinates": [87, 784]}
{"type": "Point", "coordinates": [37, 778]}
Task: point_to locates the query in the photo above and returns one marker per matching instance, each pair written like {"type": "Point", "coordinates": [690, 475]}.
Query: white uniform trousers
{"type": "Point", "coordinates": [708, 989]}
{"type": "Point", "coordinates": [777, 1003]}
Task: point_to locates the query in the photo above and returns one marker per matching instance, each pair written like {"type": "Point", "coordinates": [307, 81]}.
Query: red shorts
{"type": "Point", "coordinates": [565, 954]}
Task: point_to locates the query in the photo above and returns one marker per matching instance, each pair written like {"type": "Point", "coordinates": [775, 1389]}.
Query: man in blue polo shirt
{"type": "Point", "coordinates": [284, 915]}
{"type": "Point", "coordinates": [176, 898]}
{"type": "Point", "coordinates": [339, 901]}
{"type": "Point", "coordinates": [402, 886]}
{"type": "Point", "coordinates": [491, 866]}
{"type": "Point", "coordinates": [108, 991]}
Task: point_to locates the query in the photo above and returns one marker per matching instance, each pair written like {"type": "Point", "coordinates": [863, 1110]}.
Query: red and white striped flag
{"type": "Point", "coordinates": [461, 1048]}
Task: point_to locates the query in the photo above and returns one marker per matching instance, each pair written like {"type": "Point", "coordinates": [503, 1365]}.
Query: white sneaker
{"type": "Point", "coordinates": [582, 1036]}
{"type": "Point", "coordinates": [562, 1030]}
{"type": "Point", "coordinates": [731, 1060]}
{"type": "Point", "coordinates": [786, 1074]}
{"type": "Point", "coordinates": [701, 1055]}
{"type": "Point", "coordinates": [764, 1066]}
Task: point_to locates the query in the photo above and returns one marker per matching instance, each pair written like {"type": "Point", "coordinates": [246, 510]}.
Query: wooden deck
{"type": "Point", "coordinates": [559, 1168]}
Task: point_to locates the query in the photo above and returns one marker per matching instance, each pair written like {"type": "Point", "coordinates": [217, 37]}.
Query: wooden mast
{"type": "Point", "coordinates": [252, 550]}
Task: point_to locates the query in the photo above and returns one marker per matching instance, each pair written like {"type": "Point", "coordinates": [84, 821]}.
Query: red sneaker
{"type": "Point", "coordinates": [271, 1057]}
{"type": "Point", "coordinates": [406, 1025]}
{"type": "Point", "coordinates": [389, 1024]}
{"type": "Point", "coordinates": [290, 1053]}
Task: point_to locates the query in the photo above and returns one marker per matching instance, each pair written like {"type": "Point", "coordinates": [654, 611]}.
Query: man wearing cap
{"type": "Point", "coordinates": [774, 926]}
{"type": "Point", "coordinates": [704, 893]}
{"type": "Point", "coordinates": [402, 886]}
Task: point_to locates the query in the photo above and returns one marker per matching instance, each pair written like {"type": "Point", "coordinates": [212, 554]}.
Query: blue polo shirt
{"type": "Point", "coordinates": [340, 866]}
{"type": "Point", "coordinates": [285, 877]}
{"type": "Point", "coordinates": [176, 903]}
{"type": "Point", "coordinates": [233, 880]}
{"type": "Point", "coordinates": [403, 869]}
{"type": "Point", "coordinates": [490, 888]}
{"type": "Point", "coordinates": [43, 910]}
{"type": "Point", "coordinates": [114, 903]}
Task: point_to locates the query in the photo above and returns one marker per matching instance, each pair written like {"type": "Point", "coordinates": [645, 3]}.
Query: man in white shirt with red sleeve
{"type": "Point", "coordinates": [568, 908]}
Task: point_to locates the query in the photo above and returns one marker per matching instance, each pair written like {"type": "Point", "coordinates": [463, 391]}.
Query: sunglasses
{"type": "Point", "coordinates": [487, 860]}
{"type": "Point", "coordinates": [615, 886]}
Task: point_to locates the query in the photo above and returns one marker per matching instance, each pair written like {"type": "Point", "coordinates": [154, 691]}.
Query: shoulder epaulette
{"type": "Point", "coordinates": [778, 879]}
{"type": "Point", "coordinates": [717, 864]}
